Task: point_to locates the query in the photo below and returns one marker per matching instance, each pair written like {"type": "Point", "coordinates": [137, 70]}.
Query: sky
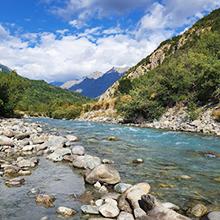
{"type": "Point", "coordinates": [60, 40]}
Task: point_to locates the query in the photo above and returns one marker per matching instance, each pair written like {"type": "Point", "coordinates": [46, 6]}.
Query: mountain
{"type": "Point", "coordinates": [70, 83]}
{"type": "Point", "coordinates": [32, 97]}
{"type": "Point", "coordinates": [96, 84]}
{"type": "Point", "coordinates": [56, 83]}
{"type": "Point", "coordinates": [182, 71]}
{"type": "Point", "coordinates": [5, 69]}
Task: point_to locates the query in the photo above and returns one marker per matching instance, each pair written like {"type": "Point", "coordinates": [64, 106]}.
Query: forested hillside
{"type": "Point", "coordinates": [21, 95]}
{"type": "Point", "coordinates": [182, 71]}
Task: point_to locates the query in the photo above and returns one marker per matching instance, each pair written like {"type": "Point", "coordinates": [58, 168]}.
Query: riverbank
{"type": "Point", "coordinates": [23, 147]}
{"type": "Point", "coordinates": [175, 119]}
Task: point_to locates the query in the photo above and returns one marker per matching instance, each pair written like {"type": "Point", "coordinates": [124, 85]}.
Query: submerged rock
{"type": "Point", "coordinates": [72, 138]}
{"type": "Point", "coordinates": [104, 174]}
{"type": "Point", "coordinates": [199, 210]}
{"type": "Point", "coordinates": [45, 200]}
{"type": "Point", "coordinates": [16, 182]}
{"type": "Point", "coordinates": [137, 161]}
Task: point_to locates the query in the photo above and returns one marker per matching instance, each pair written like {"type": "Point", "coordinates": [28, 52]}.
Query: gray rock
{"type": "Point", "coordinates": [121, 187]}
{"type": "Point", "coordinates": [55, 142]}
{"type": "Point", "coordinates": [59, 154]}
{"type": "Point", "coordinates": [89, 209]}
{"type": "Point", "coordinates": [139, 213]}
{"type": "Point", "coordinates": [28, 147]}
{"type": "Point", "coordinates": [214, 215]}
{"type": "Point", "coordinates": [86, 162]}
{"type": "Point", "coordinates": [105, 174]}
{"type": "Point", "coordinates": [5, 141]}
{"type": "Point", "coordinates": [125, 216]}
{"type": "Point", "coordinates": [109, 210]}
{"type": "Point", "coordinates": [78, 150]}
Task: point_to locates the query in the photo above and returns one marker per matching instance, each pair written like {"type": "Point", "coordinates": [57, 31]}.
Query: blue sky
{"type": "Point", "coordinates": [66, 39]}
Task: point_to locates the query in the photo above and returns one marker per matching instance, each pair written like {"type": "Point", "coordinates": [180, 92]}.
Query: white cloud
{"type": "Point", "coordinates": [69, 57]}
{"type": "Point", "coordinates": [62, 56]}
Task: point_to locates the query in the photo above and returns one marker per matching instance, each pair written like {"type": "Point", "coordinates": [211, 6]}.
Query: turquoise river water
{"type": "Point", "coordinates": [167, 156]}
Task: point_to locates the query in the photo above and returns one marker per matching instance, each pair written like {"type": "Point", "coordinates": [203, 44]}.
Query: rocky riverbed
{"type": "Point", "coordinates": [46, 175]}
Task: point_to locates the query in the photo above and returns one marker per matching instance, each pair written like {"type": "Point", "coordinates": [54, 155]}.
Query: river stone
{"type": "Point", "coordinates": [22, 136]}
{"type": "Point", "coordinates": [140, 214]}
{"type": "Point", "coordinates": [104, 174]}
{"type": "Point", "coordinates": [45, 200]}
{"type": "Point", "coordinates": [41, 147]}
{"type": "Point", "coordinates": [72, 138]}
{"type": "Point", "coordinates": [39, 139]}
{"type": "Point", "coordinates": [99, 202]}
{"type": "Point", "coordinates": [66, 212]}
{"type": "Point", "coordinates": [9, 133]}
{"type": "Point", "coordinates": [5, 141]}
{"type": "Point", "coordinates": [214, 215]}
{"type": "Point", "coordinates": [97, 185]}
{"type": "Point", "coordinates": [134, 193]}
{"type": "Point", "coordinates": [121, 187]}
{"type": "Point", "coordinates": [109, 210]}
{"type": "Point", "coordinates": [28, 148]}
{"type": "Point", "coordinates": [59, 154]}
{"type": "Point", "coordinates": [199, 210]}
{"type": "Point", "coordinates": [21, 162]}
{"type": "Point", "coordinates": [11, 170]}
{"type": "Point", "coordinates": [86, 162]}
{"type": "Point", "coordinates": [24, 172]}
{"type": "Point", "coordinates": [125, 216]}
{"type": "Point", "coordinates": [78, 150]}
{"type": "Point", "coordinates": [90, 209]}
{"type": "Point", "coordinates": [55, 142]}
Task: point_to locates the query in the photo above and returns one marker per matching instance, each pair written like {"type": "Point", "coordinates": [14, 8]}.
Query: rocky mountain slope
{"type": "Point", "coordinates": [95, 85]}
{"type": "Point", "coordinates": [183, 71]}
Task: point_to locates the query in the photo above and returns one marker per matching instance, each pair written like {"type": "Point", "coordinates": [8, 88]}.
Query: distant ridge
{"type": "Point", "coordinates": [97, 83]}
{"type": "Point", "coordinates": [5, 69]}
